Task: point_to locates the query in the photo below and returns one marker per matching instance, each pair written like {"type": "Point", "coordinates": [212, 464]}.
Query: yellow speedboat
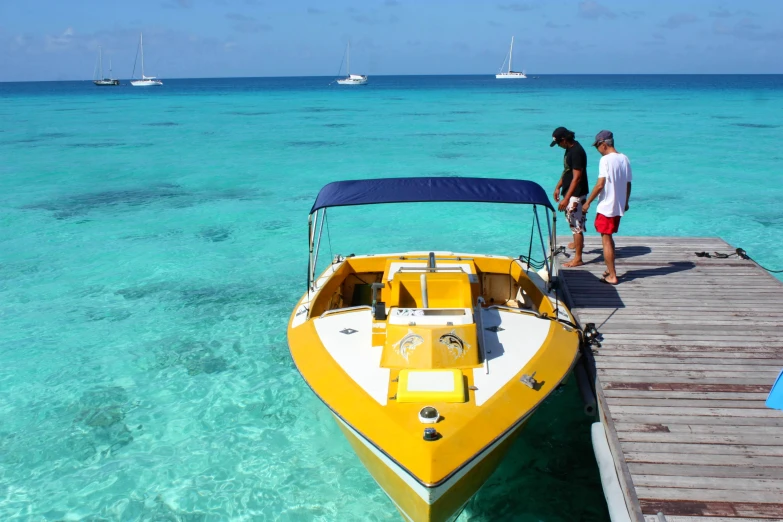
{"type": "Point", "coordinates": [432, 362]}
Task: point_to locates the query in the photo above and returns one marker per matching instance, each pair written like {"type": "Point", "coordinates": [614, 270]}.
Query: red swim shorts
{"type": "Point", "coordinates": [607, 225]}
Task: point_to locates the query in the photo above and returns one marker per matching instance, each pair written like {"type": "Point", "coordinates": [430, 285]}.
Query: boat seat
{"type": "Point", "coordinates": [430, 316]}
{"type": "Point", "coordinates": [398, 267]}
{"type": "Point", "coordinates": [444, 290]}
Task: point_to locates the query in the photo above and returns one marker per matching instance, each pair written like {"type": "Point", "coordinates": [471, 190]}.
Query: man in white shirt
{"type": "Point", "coordinates": [613, 190]}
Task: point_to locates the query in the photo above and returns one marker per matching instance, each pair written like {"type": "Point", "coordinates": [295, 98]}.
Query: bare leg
{"type": "Point", "coordinates": [579, 243]}
{"type": "Point", "coordinates": [608, 242]}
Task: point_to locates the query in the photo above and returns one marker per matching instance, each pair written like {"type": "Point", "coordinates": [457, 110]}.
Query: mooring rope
{"type": "Point", "coordinates": [740, 252]}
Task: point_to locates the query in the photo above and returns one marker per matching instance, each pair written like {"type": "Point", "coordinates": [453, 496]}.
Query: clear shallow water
{"type": "Point", "coordinates": [153, 243]}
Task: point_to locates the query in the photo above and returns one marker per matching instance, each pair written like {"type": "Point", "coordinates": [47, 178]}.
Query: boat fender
{"type": "Point", "coordinates": [615, 501]}
{"type": "Point", "coordinates": [428, 415]}
{"type": "Point", "coordinates": [585, 390]}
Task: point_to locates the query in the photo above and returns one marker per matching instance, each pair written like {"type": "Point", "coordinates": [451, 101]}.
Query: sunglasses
{"type": "Point", "coordinates": [597, 145]}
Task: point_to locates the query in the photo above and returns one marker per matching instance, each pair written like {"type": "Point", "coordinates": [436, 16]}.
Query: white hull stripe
{"type": "Point", "coordinates": [407, 517]}
{"type": "Point", "coordinates": [431, 495]}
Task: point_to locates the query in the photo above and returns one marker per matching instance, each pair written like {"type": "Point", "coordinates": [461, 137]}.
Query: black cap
{"type": "Point", "coordinates": [559, 134]}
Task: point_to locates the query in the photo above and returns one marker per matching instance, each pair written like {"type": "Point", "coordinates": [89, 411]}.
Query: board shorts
{"type": "Point", "coordinates": [606, 224]}
{"type": "Point", "coordinates": [575, 215]}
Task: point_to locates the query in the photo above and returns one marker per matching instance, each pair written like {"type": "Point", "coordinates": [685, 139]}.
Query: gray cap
{"type": "Point", "coordinates": [603, 136]}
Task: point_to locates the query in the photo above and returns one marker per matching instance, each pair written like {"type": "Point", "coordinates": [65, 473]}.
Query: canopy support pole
{"type": "Point", "coordinates": [312, 226]}
{"type": "Point", "coordinates": [320, 227]}
{"type": "Point", "coordinates": [541, 238]}
{"type": "Point", "coordinates": [553, 237]}
{"type": "Point", "coordinates": [310, 248]}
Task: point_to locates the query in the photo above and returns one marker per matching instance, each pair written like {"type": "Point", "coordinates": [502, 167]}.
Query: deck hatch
{"type": "Point", "coordinates": [431, 386]}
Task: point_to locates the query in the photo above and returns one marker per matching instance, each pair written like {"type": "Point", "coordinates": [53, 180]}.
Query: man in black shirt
{"type": "Point", "coordinates": [573, 188]}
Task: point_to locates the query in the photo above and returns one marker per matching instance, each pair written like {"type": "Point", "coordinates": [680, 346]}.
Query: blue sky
{"type": "Point", "coordinates": [58, 39]}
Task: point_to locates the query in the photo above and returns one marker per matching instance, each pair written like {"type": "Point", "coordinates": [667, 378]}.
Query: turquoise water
{"type": "Point", "coordinates": [153, 243]}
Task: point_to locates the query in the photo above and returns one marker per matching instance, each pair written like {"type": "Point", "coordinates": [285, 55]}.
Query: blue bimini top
{"type": "Point", "coordinates": [441, 189]}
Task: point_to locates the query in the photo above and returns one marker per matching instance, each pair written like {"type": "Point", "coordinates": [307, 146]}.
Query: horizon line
{"type": "Point", "coordinates": [407, 75]}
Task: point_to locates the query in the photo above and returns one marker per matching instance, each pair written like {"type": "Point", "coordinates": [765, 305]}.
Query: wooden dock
{"type": "Point", "coordinates": [691, 347]}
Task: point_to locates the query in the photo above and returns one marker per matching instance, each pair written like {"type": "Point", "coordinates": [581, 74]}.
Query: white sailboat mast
{"type": "Point", "coordinates": [100, 61]}
{"type": "Point", "coordinates": [141, 44]}
{"type": "Point", "coordinates": [510, 55]}
{"type": "Point", "coordinates": [348, 67]}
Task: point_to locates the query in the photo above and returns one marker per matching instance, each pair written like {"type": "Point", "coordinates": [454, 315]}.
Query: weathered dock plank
{"type": "Point", "coordinates": [666, 394]}
{"type": "Point", "coordinates": [719, 483]}
{"type": "Point", "coordinates": [690, 349]}
{"type": "Point", "coordinates": [776, 441]}
{"type": "Point", "coordinates": [691, 470]}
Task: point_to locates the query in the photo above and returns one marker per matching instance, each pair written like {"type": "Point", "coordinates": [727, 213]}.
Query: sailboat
{"type": "Point", "coordinates": [146, 81]}
{"type": "Point", "coordinates": [101, 80]}
{"type": "Point", "coordinates": [433, 362]}
{"type": "Point", "coordinates": [351, 79]}
{"type": "Point", "coordinates": [510, 73]}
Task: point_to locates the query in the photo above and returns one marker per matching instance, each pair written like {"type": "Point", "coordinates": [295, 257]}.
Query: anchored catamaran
{"type": "Point", "coordinates": [432, 363]}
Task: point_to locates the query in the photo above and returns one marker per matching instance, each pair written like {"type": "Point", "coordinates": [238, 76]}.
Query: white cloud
{"type": "Point", "coordinates": [725, 13]}
{"type": "Point", "coordinates": [247, 24]}
{"type": "Point", "coordinates": [747, 29]}
{"type": "Point", "coordinates": [594, 10]}
{"type": "Point", "coordinates": [518, 7]}
{"type": "Point", "coordinates": [61, 42]}
{"type": "Point", "coordinates": [552, 25]}
{"type": "Point", "coordinates": [676, 21]}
